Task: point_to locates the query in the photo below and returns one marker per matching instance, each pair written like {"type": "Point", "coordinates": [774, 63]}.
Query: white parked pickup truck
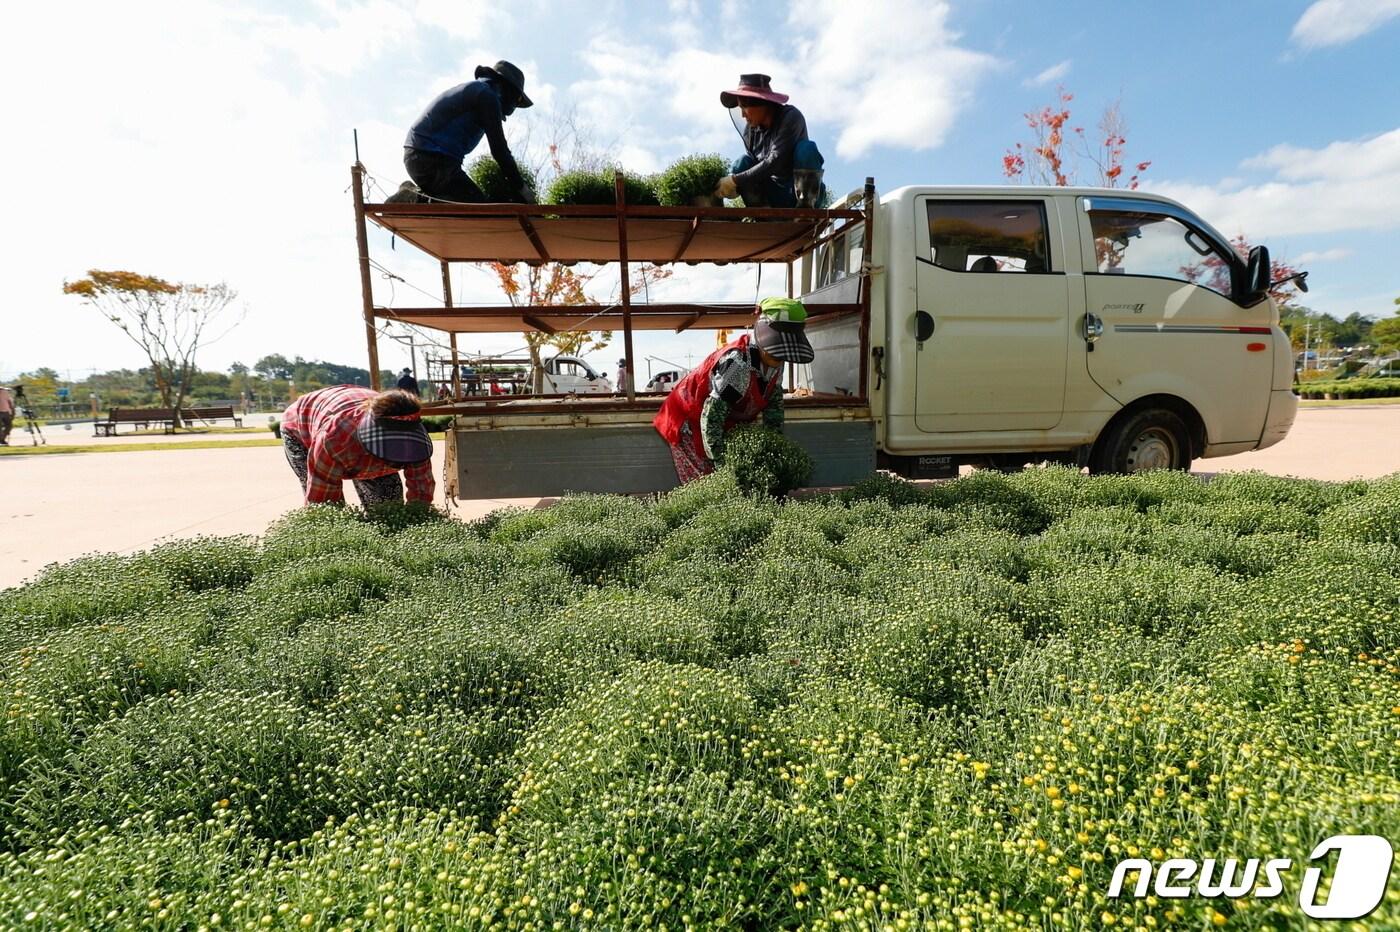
{"type": "Point", "coordinates": [1107, 328]}
{"type": "Point", "coordinates": [564, 374]}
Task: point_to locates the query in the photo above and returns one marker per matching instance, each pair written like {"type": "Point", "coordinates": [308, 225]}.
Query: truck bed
{"type": "Point", "coordinates": [596, 445]}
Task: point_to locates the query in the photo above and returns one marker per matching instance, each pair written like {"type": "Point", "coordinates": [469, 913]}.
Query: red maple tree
{"type": "Point", "coordinates": [1046, 159]}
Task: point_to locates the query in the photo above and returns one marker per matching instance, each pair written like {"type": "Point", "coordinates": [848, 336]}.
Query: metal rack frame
{"type": "Point", "coordinates": [825, 225]}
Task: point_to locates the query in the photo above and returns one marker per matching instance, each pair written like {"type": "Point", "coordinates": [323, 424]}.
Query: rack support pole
{"type": "Point", "coordinates": [357, 175]}
{"type": "Point", "coordinates": [620, 195]}
{"type": "Point", "coordinates": [867, 266]}
{"type": "Point", "coordinates": [452, 335]}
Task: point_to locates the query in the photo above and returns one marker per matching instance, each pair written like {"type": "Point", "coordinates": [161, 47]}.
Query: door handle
{"type": "Point", "coordinates": [923, 326]}
{"type": "Point", "coordinates": [1092, 328]}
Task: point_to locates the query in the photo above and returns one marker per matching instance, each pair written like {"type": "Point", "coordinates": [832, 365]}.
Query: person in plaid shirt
{"type": "Point", "coordinates": [347, 432]}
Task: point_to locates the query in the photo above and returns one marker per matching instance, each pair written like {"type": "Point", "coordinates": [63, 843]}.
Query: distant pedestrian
{"type": "Point", "coordinates": [7, 415]}
{"type": "Point", "coordinates": [444, 392]}
{"type": "Point", "coordinates": [622, 376]}
{"type": "Point", "coordinates": [408, 383]}
{"type": "Point", "coordinates": [368, 437]}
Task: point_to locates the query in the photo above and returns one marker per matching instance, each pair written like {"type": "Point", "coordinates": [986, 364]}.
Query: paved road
{"type": "Point", "coordinates": [81, 434]}
{"type": "Point", "coordinates": [54, 508]}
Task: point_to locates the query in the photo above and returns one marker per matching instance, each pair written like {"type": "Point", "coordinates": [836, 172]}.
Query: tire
{"type": "Point", "coordinates": [1153, 438]}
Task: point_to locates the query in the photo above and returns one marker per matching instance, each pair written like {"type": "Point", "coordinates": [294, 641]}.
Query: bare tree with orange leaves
{"type": "Point", "coordinates": [169, 321]}
{"type": "Point", "coordinates": [552, 284]}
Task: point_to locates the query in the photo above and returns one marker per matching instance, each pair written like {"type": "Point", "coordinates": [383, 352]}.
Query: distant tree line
{"type": "Point", "coordinates": [1354, 330]}
{"type": "Point", "coordinates": [269, 384]}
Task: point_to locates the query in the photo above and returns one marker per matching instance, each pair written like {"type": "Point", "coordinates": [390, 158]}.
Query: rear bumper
{"type": "Point", "coordinates": [1283, 408]}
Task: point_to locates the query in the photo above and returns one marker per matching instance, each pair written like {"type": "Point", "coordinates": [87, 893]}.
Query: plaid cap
{"type": "Point", "coordinates": [402, 443]}
{"type": "Point", "coordinates": [779, 330]}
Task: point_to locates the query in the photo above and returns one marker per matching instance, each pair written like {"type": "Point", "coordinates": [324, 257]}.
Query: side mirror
{"type": "Point", "coordinates": [923, 326]}
{"type": "Point", "coordinates": [1258, 274]}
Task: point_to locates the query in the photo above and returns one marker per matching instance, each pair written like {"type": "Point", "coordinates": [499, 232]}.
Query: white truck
{"type": "Point", "coordinates": [992, 326]}
{"type": "Point", "coordinates": [570, 374]}
{"type": "Point", "coordinates": [1111, 329]}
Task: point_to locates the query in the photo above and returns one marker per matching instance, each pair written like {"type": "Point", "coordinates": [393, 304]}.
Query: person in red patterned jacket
{"type": "Point", "coordinates": [347, 432]}
{"type": "Point", "coordinates": [736, 384]}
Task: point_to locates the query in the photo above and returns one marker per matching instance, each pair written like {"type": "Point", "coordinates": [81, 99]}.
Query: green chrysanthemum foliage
{"type": "Point", "coordinates": [885, 708]}
{"type": "Point", "coordinates": [180, 755]}
{"type": "Point", "coordinates": [487, 174]}
{"type": "Point", "coordinates": [685, 502]}
{"type": "Point", "coordinates": [764, 462]}
{"type": "Point", "coordinates": [689, 178]}
{"type": "Point", "coordinates": [885, 487]}
{"type": "Point", "coordinates": [1374, 517]}
{"type": "Point", "coordinates": [583, 186]}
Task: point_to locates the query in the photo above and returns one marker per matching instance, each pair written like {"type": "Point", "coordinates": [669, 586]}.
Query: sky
{"type": "Point", "coordinates": [207, 141]}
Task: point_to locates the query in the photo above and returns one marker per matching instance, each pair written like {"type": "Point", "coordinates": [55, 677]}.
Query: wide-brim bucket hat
{"type": "Point", "coordinates": [758, 86]}
{"type": "Point", "coordinates": [402, 440]}
{"type": "Point", "coordinates": [510, 75]}
{"type": "Point", "coordinates": [780, 330]}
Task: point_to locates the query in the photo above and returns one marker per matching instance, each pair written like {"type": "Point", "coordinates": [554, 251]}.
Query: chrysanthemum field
{"type": "Point", "coordinates": [948, 707]}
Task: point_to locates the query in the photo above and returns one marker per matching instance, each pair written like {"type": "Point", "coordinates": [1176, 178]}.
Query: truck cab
{"type": "Point", "coordinates": [1101, 327]}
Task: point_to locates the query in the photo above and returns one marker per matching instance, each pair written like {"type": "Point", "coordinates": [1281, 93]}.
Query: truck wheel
{"type": "Point", "coordinates": [1153, 438]}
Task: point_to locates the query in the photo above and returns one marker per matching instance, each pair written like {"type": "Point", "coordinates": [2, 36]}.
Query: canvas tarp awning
{"type": "Point", "coordinates": [554, 319]}
{"type": "Point", "coordinates": [519, 233]}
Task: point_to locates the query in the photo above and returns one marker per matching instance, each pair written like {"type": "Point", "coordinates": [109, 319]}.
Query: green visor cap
{"type": "Point", "coordinates": [783, 310]}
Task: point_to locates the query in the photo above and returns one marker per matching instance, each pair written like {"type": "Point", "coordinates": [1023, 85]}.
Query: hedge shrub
{"type": "Point", "coordinates": [492, 181]}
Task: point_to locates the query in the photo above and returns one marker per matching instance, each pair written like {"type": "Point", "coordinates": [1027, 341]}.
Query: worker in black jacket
{"type": "Point", "coordinates": [454, 124]}
{"type": "Point", "coordinates": [781, 167]}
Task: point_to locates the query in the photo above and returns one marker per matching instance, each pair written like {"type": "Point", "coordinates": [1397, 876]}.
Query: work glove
{"type": "Point", "coordinates": [727, 187]}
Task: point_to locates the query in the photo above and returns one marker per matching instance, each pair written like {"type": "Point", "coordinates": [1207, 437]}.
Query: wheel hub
{"type": "Point", "coordinates": [1152, 449]}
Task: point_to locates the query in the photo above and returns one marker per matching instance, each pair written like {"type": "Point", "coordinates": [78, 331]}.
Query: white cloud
{"type": "Point", "coordinates": [209, 140]}
{"type": "Point", "coordinates": [1049, 75]}
{"type": "Point", "coordinates": [460, 21]}
{"type": "Point", "coordinates": [908, 96]}
{"type": "Point", "coordinates": [1347, 185]}
{"type": "Point", "coordinates": [1336, 22]}
{"type": "Point", "coordinates": [1325, 255]}
{"type": "Point", "coordinates": [1352, 160]}
{"type": "Point", "coordinates": [206, 145]}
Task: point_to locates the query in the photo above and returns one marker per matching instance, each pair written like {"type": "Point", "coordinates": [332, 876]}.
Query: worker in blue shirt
{"type": "Point", "coordinates": [453, 125]}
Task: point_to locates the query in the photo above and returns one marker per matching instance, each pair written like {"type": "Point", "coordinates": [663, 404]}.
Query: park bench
{"type": "Point", "coordinates": [213, 413]}
{"type": "Point", "coordinates": [143, 416]}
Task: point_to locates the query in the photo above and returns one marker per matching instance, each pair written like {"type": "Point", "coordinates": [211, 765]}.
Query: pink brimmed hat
{"type": "Point", "coordinates": [752, 85]}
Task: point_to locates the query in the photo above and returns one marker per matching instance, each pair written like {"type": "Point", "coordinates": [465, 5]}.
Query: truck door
{"type": "Point", "coordinates": [1157, 291]}
{"type": "Point", "coordinates": [993, 304]}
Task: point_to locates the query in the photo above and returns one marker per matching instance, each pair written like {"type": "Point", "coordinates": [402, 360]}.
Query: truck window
{"type": "Point", "coordinates": [988, 236]}
{"type": "Point", "coordinates": [1133, 243]}
{"type": "Point", "coordinates": [570, 367]}
{"type": "Point", "coordinates": [839, 258]}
